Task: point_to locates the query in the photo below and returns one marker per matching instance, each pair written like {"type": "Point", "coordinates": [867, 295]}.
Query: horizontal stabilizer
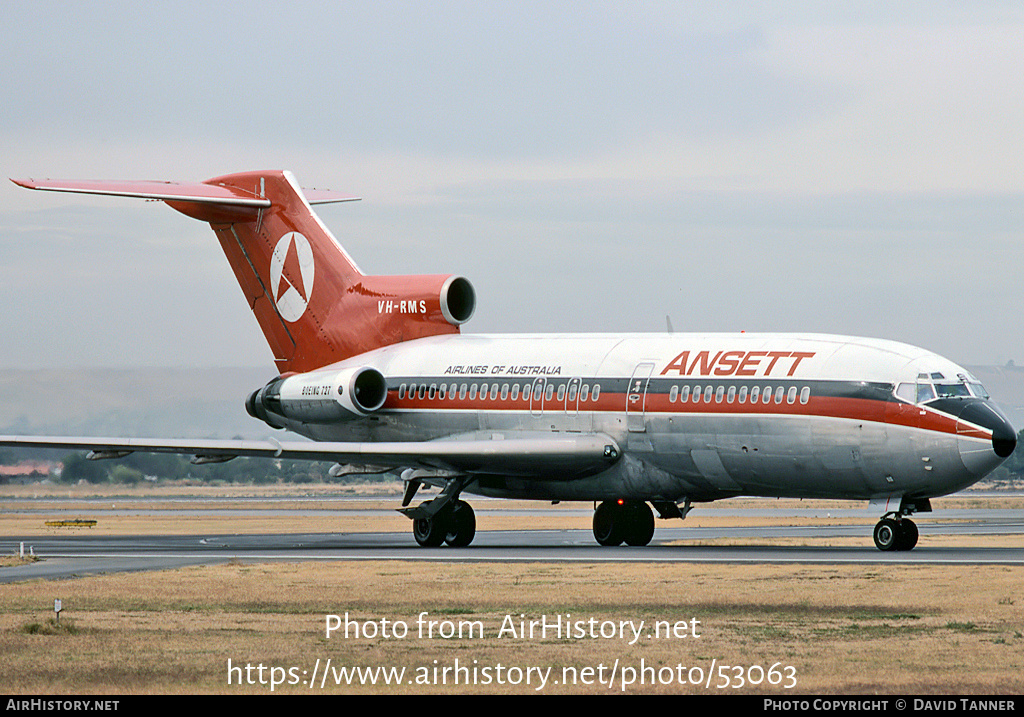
{"type": "Point", "coordinates": [192, 192]}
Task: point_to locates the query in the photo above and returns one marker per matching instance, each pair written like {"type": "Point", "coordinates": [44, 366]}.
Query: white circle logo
{"type": "Point", "coordinates": [291, 275]}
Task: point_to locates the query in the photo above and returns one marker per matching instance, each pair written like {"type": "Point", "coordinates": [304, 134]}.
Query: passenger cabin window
{"type": "Point", "coordinates": [596, 392]}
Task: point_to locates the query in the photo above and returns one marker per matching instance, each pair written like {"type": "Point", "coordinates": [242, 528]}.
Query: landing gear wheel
{"type": "Point", "coordinates": [887, 533]}
{"type": "Point", "coordinates": [461, 525]}
{"type": "Point", "coordinates": [639, 528]}
{"type": "Point", "coordinates": [631, 522]}
{"type": "Point", "coordinates": [431, 532]}
{"type": "Point", "coordinates": [892, 534]}
{"type": "Point", "coordinates": [907, 538]}
{"type": "Point", "coordinates": [608, 523]}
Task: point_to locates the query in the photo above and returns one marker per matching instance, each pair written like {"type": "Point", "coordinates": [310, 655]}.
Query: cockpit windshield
{"type": "Point", "coordinates": [931, 386]}
{"type": "Point", "coordinates": [951, 390]}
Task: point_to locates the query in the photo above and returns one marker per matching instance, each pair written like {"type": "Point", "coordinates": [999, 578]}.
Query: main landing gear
{"type": "Point", "coordinates": [454, 524]}
{"type": "Point", "coordinates": [445, 519]}
{"type": "Point", "coordinates": [623, 521]}
{"type": "Point", "coordinates": [895, 534]}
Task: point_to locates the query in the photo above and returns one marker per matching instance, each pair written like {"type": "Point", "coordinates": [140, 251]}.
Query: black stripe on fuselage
{"type": "Point", "coordinates": [656, 387]}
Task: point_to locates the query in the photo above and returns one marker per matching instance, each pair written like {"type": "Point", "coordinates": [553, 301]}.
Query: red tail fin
{"type": "Point", "coordinates": [313, 303]}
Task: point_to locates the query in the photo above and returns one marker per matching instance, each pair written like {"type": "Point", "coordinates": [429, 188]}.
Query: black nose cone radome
{"type": "Point", "coordinates": [987, 415]}
{"type": "Point", "coordinates": [1004, 440]}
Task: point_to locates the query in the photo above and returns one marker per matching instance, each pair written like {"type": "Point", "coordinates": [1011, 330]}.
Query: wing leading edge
{"type": "Point", "coordinates": [524, 454]}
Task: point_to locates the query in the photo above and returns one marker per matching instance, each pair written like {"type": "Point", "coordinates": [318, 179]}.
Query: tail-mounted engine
{"type": "Point", "coordinates": [319, 397]}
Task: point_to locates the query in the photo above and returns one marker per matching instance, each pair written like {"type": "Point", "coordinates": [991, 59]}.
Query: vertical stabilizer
{"type": "Point", "coordinates": [311, 300]}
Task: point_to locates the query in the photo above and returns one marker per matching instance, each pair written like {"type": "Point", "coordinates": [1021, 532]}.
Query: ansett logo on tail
{"type": "Point", "coordinates": [291, 275]}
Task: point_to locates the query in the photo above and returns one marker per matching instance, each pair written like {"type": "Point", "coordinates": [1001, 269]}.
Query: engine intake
{"type": "Point", "coordinates": [458, 300]}
{"type": "Point", "coordinates": [319, 396]}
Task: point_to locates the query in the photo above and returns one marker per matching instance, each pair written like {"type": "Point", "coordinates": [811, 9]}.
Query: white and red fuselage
{"type": "Point", "coordinates": [696, 416]}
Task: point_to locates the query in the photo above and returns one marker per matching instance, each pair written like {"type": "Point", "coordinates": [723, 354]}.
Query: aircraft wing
{"type": "Point", "coordinates": [556, 456]}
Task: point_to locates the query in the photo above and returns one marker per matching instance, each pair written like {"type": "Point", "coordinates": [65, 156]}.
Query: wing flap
{"type": "Point", "coordinates": [555, 456]}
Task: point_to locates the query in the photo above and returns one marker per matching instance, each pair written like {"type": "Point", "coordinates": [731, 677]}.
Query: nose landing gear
{"type": "Point", "coordinates": [895, 534]}
{"type": "Point", "coordinates": [895, 530]}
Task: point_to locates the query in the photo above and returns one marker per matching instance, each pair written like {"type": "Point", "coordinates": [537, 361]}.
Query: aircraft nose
{"type": "Point", "coordinates": [1004, 439]}
{"type": "Point", "coordinates": [981, 460]}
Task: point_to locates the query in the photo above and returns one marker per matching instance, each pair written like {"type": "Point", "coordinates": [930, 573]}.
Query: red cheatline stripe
{"type": "Point", "coordinates": [658, 404]}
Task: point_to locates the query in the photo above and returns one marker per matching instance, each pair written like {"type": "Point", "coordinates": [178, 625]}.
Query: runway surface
{"type": "Point", "coordinates": [66, 556]}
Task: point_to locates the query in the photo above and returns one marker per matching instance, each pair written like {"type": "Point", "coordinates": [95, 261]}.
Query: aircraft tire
{"type": "Point", "coordinates": [431, 532]}
{"type": "Point", "coordinates": [608, 523]}
{"type": "Point", "coordinates": [908, 534]}
{"type": "Point", "coordinates": [461, 525]}
{"type": "Point", "coordinates": [887, 532]}
{"type": "Point", "coordinates": [639, 527]}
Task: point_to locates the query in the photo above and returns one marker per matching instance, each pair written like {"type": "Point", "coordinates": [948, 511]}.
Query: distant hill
{"type": "Point", "coordinates": [184, 403]}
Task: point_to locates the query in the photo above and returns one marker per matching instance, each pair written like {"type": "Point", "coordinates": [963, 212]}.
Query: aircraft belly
{"type": "Point", "coordinates": [700, 457]}
{"type": "Point", "coordinates": [630, 478]}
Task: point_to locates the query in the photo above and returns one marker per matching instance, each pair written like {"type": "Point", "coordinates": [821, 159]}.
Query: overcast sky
{"type": "Point", "coordinates": [852, 169]}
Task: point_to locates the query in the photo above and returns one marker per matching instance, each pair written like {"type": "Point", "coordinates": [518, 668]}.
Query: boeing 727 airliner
{"type": "Point", "coordinates": [376, 371]}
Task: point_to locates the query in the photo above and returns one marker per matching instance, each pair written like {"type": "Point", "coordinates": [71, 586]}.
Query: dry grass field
{"type": "Point", "coordinates": [457, 627]}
